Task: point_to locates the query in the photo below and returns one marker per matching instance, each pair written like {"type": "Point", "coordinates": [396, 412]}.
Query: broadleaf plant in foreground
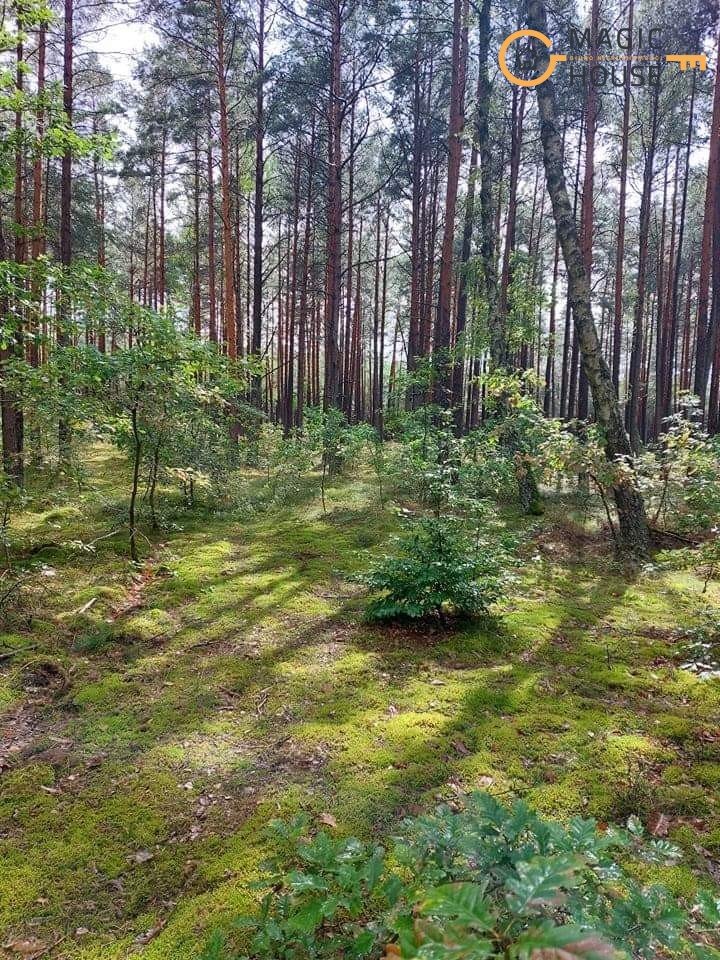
{"type": "Point", "coordinates": [487, 881]}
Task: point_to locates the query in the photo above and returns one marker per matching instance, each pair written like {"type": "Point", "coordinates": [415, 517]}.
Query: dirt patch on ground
{"type": "Point", "coordinates": [570, 542]}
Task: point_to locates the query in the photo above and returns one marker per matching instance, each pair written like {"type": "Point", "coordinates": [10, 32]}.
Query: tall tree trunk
{"type": "Point", "coordinates": [302, 323]}
{"type": "Point", "coordinates": [516, 141]}
{"type": "Point", "coordinates": [713, 410]}
{"type": "Point", "coordinates": [331, 397]}
{"type": "Point", "coordinates": [374, 390]}
{"type": "Point", "coordinates": [195, 309]}
{"type": "Point", "coordinates": [380, 422]}
{"type": "Point", "coordinates": [10, 405]}
{"type": "Point", "coordinates": [347, 370]}
{"type": "Point", "coordinates": [588, 206]}
{"type": "Point", "coordinates": [161, 293]}
{"type": "Point", "coordinates": [703, 345]}
{"type": "Point", "coordinates": [675, 293]}
{"type": "Point", "coordinates": [633, 531]}
{"type": "Point", "coordinates": [259, 195]}
{"type": "Point", "coordinates": [228, 304]}
{"type": "Point", "coordinates": [620, 243]}
{"type": "Point", "coordinates": [66, 238]}
{"type": "Point", "coordinates": [568, 381]}
{"type": "Point", "coordinates": [457, 96]}
{"type": "Point", "coordinates": [458, 371]}
{"type": "Point", "coordinates": [212, 297]}
{"type": "Point", "coordinates": [37, 246]}
{"type": "Point", "coordinates": [488, 238]}
{"type": "Point", "coordinates": [292, 273]}
{"type": "Point", "coordinates": [549, 395]}
{"type": "Point", "coordinates": [416, 246]}
{"type": "Point", "coordinates": [636, 352]}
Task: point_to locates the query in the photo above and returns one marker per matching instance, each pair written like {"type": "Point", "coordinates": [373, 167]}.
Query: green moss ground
{"type": "Point", "coordinates": [232, 681]}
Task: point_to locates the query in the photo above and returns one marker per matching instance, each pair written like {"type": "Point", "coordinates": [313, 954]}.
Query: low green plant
{"type": "Point", "coordinates": [681, 476]}
{"type": "Point", "coordinates": [286, 463]}
{"type": "Point", "coordinates": [486, 881]}
{"type": "Point", "coordinates": [437, 569]}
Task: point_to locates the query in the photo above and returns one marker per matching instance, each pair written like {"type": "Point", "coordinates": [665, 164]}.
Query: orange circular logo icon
{"type": "Point", "coordinates": [555, 58]}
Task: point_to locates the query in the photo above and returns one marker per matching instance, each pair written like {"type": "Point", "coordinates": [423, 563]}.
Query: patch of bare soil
{"type": "Point", "coordinates": [135, 598]}
{"type": "Point", "coordinates": [568, 541]}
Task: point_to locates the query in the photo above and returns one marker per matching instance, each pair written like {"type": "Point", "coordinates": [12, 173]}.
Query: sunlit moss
{"type": "Point", "coordinates": [245, 679]}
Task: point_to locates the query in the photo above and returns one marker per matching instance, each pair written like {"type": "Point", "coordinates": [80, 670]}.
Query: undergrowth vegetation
{"type": "Point", "coordinates": [485, 880]}
{"type": "Point", "coordinates": [208, 622]}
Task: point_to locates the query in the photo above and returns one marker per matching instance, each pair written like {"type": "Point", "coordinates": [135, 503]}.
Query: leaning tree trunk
{"type": "Point", "coordinates": [633, 532]}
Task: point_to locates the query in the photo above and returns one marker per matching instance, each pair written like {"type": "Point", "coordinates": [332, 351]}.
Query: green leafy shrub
{"type": "Point", "coordinates": [489, 881]}
{"type": "Point", "coordinates": [437, 570]}
{"type": "Point", "coordinates": [286, 463]}
{"type": "Point", "coordinates": [681, 476]}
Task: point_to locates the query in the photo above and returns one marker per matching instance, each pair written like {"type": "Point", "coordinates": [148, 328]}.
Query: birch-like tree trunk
{"type": "Point", "coordinates": [633, 531]}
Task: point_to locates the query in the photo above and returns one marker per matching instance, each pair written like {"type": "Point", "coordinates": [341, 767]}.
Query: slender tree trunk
{"type": "Point", "coordinates": [620, 247]}
{"type": "Point", "coordinates": [458, 370]}
{"type": "Point", "coordinates": [636, 352]}
{"type": "Point", "coordinates": [345, 346]}
{"type": "Point", "coordinates": [488, 238]}
{"type": "Point", "coordinates": [588, 206]}
{"type": "Point", "coordinates": [380, 424]}
{"type": "Point", "coordinates": [331, 397]}
{"type": "Point", "coordinates": [675, 294]}
{"type": "Point", "coordinates": [703, 344]}
{"type": "Point", "coordinates": [549, 395]}
{"type": "Point", "coordinates": [66, 238]}
{"type": "Point", "coordinates": [37, 246]}
{"type": "Point", "coordinates": [302, 331]}
{"type": "Point", "coordinates": [257, 311]}
{"type": "Point", "coordinates": [416, 247]}
{"type": "Point", "coordinates": [212, 297]}
{"type": "Point", "coordinates": [516, 141]}
{"type": "Point", "coordinates": [713, 409]}
{"type": "Point", "coordinates": [228, 304]}
{"type": "Point", "coordinates": [196, 307]}
{"type": "Point", "coordinates": [292, 274]}
{"type": "Point", "coordinates": [375, 391]}
{"type": "Point", "coordinates": [137, 458]}
{"type": "Point", "coordinates": [441, 347]}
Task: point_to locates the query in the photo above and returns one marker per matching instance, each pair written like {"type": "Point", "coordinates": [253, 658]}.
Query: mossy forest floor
{"type": "Point", "coordinates": [154, 721]}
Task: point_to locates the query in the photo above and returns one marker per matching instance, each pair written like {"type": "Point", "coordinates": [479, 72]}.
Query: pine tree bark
{"type": "Point", "coordinates": [620, 242]}
{"type": "Point", "coordinates": [636, 352]}
{"type": "Point", "coordinates": [259, 194]}
{"type": "Point", "coordinates": [212, 296]}
{"type": "Point", "coordinates": [228, 302]}
{"type": "Point", "coordinates": [675, 294]}
{"type": "Point", "coordinates": [66, 238]}
{"type": "Point", "coordinates": [416, 245]}
{"type": "Point", "coordinates": [441, 347]}
{"type": "Point", "coordinates": [331, 394]}
{"type": "Point", "coordinates": [302, 322]}
{"type": "Point", "coordinates": [488, 234]}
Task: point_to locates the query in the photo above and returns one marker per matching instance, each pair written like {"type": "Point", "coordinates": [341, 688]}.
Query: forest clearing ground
{"type": "Point", "coordinates": [232, 681]}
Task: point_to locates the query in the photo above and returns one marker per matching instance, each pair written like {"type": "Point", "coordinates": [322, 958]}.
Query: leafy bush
{"type": "Point", "coordinates": [487, 881]}
{"type": "Point", "coordinates": [681, 477]}
{"type": "Point", "coordinates": [438, 570]}
{"type": "Point", "coordinates": [286, 462]}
